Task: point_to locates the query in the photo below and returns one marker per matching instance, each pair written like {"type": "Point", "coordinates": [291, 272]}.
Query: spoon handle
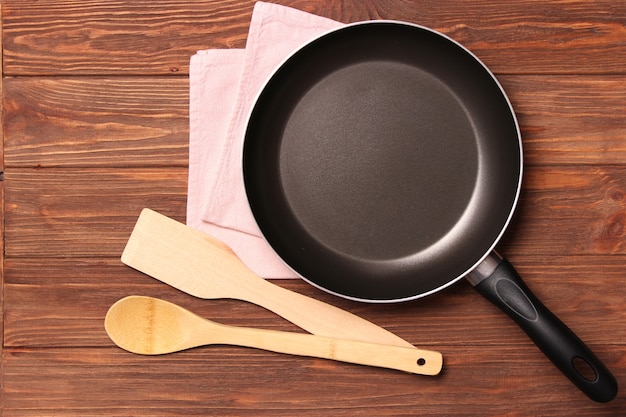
{"type": "Point", "coordinates": [416, 361]}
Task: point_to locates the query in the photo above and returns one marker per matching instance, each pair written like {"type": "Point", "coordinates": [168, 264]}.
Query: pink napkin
{"type": "Point", "coordinates": [223, 86]}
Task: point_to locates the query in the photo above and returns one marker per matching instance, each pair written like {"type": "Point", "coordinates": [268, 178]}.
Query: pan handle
{"type": "Point", "coordinates": [496, 279]}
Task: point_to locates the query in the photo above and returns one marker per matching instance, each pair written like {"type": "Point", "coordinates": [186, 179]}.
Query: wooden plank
{"type": "Point", "coordinates": [147, 37]}
{"type": "Point", "coordinates": [2, 273]}
{"type": "Point", "coordinates": [124, 37]}
{"type": "Point", "coordinates": [564, 210]}
{"type": "Point", "coordinates": [1, 95]}
{"type": "Point", "coordinates": [228, 381]}
{"type": "Point", "coordinates": [143, 121]}
{"type": "Point", "coordinates": [1, 198]}
{"type": "Point", "coordinates": [570, 119]}
{"type": "Point", "coordinates": [85, 212]}
{"type": "Point", "coordinates": [89, 122]}
{"type": "Point", "coordinates": [62, 303]}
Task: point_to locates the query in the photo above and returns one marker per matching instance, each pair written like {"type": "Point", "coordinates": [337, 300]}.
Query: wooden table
{"type": "Point", "coordinates": [95, 126]}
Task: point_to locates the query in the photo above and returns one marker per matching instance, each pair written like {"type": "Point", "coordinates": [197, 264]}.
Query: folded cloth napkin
{"type": "Point", "coordinates": [223, 86]}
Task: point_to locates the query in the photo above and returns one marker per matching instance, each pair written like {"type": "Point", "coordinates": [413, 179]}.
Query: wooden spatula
{"type": "Point", "coordinates": [149, 326]}
{"type": "Point", "coordinates": [205, 267]}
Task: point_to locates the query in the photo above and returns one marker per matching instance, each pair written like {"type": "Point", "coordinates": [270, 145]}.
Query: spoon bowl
{"type": "Point", "coordinates": [148, 326]}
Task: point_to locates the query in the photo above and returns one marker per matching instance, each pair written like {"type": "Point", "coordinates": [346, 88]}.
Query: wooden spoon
{"type": "Point", "coordinates": [205, 267]}
{"type": "Point", "coordinates": [149, 326]}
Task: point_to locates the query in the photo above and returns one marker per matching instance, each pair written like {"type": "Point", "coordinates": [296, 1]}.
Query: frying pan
{"type": "Point", "coordinates": [382, 162]}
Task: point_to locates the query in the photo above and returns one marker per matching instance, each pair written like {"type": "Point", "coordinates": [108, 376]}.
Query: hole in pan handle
{"type": "Point", "coordinates": [502, 285]}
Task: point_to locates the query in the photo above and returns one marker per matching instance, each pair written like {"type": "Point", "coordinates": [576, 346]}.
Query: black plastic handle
{"type": "Point", "coordinates": [505, 288]}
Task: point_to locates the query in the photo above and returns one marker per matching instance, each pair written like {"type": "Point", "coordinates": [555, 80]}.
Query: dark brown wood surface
{"type": "Point", "coordinates": [95, 127]}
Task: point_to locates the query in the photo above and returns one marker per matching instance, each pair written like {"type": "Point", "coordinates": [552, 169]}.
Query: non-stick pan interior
{"type": "Point", "coordinates": [382, 161]}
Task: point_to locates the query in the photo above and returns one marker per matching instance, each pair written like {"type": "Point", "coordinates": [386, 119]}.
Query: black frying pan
{"type": "Point", "coordinates": [383, 162]}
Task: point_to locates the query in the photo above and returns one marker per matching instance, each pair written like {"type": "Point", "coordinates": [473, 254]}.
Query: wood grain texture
{"type": "Point", "coordinates": [147, 37]}
{"type": "Point", "coordinates": [85, 211]}
{"type": "Point", "coordinates": [95, 127]}
{"type": "Point", "coordinates": [217, 381]}
{"type": "Point", "coordinates": [570, 119]}
{"type": "Point", "coordinates": [79, 382]}
{"type": "Point", "coordinates": [564, 210]}
{"type": "Point", "coordinates": [2, 319]}
{"type": "Point", "coordinates": [90, 122]}
{"type": "Point", "coordinates": [1, 94]}
{"type": "Point", "coordinates": [571, 210]}
{"type": "Point", "coordinates": [142, 121]}
{"type": "Point", "coordinates": [1, 204]}
{"type": "Point", "coordinates": [61, 302]}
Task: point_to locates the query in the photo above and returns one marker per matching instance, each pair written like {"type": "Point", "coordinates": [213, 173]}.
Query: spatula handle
{"type": "Point", "coordinates": [320, 318]}
{"type": "Point", "coordinates": [416, 361]}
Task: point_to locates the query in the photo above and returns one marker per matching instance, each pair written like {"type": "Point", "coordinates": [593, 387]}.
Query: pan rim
{"type": "Point", "coordinates": [511, 111]}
